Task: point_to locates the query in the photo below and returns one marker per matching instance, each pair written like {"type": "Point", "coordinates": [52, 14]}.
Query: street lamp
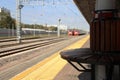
{"type": "Point", "coordinates": [58, 29]}
{"type": "Point", "coordinates": [18, 20]}
{"type": "Point", "coordinates": [34, 28]}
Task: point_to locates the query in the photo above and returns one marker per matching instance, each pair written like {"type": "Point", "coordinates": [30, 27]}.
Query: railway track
{"type": "Point", "coordinates": [24, 47]}
{"type": "Point", "coordinates": [13, 42]}
{"type": "Point", "coordinates": [14, 39]}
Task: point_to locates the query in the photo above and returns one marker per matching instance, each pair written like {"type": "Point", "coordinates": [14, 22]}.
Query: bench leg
{"type": "Point", "coordinates": [109, 71]}
{"type": "Point", "coordinates": [93, 72]}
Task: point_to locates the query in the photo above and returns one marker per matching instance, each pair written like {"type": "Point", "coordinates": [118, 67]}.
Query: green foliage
{"type": "Point", "coordinates": [6, 21]}
{"type": "Point", "coordinates": [52, 28]}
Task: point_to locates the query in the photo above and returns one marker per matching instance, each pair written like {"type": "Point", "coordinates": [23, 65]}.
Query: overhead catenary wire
{"type": "Point", "coordinates": [54, 2]}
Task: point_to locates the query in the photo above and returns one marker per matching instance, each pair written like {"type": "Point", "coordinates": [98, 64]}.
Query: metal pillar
{"type": "Point", "coordinates": [34, 28]}
{"type": "Point", "coordinates": [104, 4]}
{"type": "Point", "coordinates": [58, 28]}
{"type": "Point", "coordinates": [101, 72]}
{"type": "Point", "coordinates": [18, 20]}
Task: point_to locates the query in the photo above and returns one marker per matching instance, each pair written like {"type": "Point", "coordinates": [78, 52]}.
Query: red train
{"type": "Point", "coordinates": [73, 32]}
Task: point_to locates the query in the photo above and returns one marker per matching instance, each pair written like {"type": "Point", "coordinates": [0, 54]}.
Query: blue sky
{"type": "Point", "coordinates": [49, 14]}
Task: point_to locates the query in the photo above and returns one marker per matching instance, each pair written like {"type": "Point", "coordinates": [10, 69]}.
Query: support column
{"type": "Point", "coordinates": [105, 4]}
{"type": "Point", "coordinates": [103, 13]}
{"type": "Point", "coordinates": [18, 20]}
{"type": "Point", "coordinates": [58, 28]}
{"type": "Point", "coordinates": [100, 72]}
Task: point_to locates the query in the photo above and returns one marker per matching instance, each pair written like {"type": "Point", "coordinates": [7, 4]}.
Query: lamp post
{"type": "Point", "coordinates": [58, 29]}
{"type": "Point", "coordinates": [34, 28]}
{"type": "Point", "coordinates": [18, 20]}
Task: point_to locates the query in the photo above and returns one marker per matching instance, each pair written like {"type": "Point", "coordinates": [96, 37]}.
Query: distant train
{"type": "Point", "coordinates": [76, 32]}
{"type": "Point", "coordinates": [70, 32]}
{"type": "Point", "coordinates": [27, 32]}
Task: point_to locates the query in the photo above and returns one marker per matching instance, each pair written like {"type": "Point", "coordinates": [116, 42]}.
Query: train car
{"type": "Point", "coordinates": [70, 32]}
{"type": "Point", "coordinates": [76, 32]}
{"type": "Point", "coordinates": [73, 32]}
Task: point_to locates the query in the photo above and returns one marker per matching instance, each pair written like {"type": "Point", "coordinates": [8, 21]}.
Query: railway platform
{"type": "Point", "coordinates": [55, 68]}
{"type": "Point", "coordinates": [43, 63]}
{"type": "Point", "coordinates": [70, 73]}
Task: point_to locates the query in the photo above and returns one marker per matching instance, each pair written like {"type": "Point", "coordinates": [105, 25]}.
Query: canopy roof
{"type": "Point", "coordinates": [88, 6]}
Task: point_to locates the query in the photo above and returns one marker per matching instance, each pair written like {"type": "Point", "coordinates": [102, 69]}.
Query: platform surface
{"type": "Point", "coordinates": [70, 73]}
{"type": "Point", "coordinates": [86, 55]}
{"type": "Point", "coordinates": [51, 67]}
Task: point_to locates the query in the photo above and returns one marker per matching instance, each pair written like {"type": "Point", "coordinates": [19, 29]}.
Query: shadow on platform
{"type": "Point", "coordinates": [85, 76]}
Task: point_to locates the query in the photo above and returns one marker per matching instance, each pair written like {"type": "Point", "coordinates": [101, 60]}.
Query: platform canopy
{"type": "Point", "coordinates": [88, 6]}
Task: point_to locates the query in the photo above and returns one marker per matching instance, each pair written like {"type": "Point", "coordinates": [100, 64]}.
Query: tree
{"type": "Point", "coordinates": [6, 21]}
{"type": "Point", "coordinates": [52, 28]}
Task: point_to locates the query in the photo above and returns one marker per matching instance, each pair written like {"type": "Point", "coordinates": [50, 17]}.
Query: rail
{"type": "Point", "coordinates": [24, 47]}
{"type": "Point", "coordinates": [12, 42]}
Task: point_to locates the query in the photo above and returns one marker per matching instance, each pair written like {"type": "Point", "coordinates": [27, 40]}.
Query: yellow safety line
{"type": "Point", "coordinates": [49, 67]}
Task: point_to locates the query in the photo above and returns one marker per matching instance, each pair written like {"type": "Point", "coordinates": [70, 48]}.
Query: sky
{"type": "Point", "coordinates": [48, 12]}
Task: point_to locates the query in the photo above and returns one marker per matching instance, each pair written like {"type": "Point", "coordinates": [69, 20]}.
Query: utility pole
{"type": "Point", "coordinates": [58, 28]}
{"type": "Point", "coordinates": [34, 28]}
{"type": "Point", "coordinates": [48, 29]}
{"type": "Point", "coordinates": [18, 20]}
